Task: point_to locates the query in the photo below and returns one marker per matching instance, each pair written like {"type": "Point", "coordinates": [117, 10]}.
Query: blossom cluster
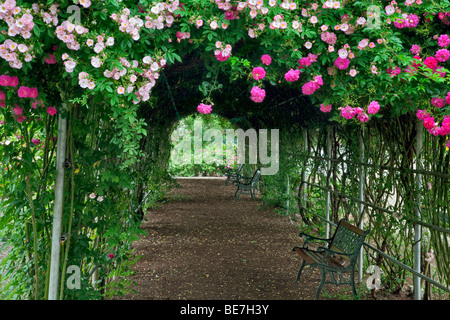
{"type": "Point", "coordinates": [222, 52]}
{"type": "Point", "coordinates": [68, 33]}
{"type": "Point", "coordinates": [349, 112]}
{"type": "Point", "coordinates": [311, 86]}
{"type": "Point", "coordinates": [19, 22]}
{"type": "Point", "coordinates": [22, 92]}
{"type": "Point", "coordinates": [13, 53]}
{"type": "Point", "coordinates": [204, 108]}
{"type": "Point", "coordinates": [129, 25]}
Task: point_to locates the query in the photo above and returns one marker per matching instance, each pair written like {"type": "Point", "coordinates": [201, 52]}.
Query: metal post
{"type": "Point", "coordinates": [418, 227]}
{"type": "Point", "coordinates": [58, 207]}
{"type": "Point", "coordinates": [362, 179]}
{"type": "Point", "coordinates": [287, 193]}
{"type": "Point", "coordinates": [327, 211]}
{"type": "Point", "coordinates": [305, 149]}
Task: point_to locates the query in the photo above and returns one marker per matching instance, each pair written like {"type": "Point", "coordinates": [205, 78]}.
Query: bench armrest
{"type": "Point", "coordinates": [327, 252]}
{"type": "Point", "coordinates": [309, 238]}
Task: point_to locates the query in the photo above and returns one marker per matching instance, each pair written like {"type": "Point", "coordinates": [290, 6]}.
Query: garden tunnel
{"type": "Point", "coordinates": [322, 160]}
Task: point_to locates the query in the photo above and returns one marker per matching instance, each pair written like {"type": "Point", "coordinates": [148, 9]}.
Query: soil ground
{"type": "Point", "coordinates": [202, 244]}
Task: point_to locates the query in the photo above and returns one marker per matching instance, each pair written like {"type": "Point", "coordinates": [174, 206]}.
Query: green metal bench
{"type": "Point", "coordinates": [234, 174]}
{"type": "Point", "coordinates": [345, 245]}
{"type": "Point", "coordinates": [248, 187]}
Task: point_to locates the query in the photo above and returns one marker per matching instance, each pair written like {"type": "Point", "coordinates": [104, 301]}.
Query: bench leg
{"type": "Point", "coordinates": [322, 281]}
{"type": "Point", "coordinates": [352, 279]}
{"type": "Point", "coordinates": [300, 271]}
{"type": "Point", "coordinates": [236, 195]}
{"type": "Point", "coordinates": [226, 181]}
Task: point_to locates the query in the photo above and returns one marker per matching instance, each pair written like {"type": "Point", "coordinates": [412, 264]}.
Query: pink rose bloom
{"type": "Point", "coordinates": [17, 110]}
{"type": "Point", "coordinates": [401, 23]}
{"type": "Point", "coordinates": [443, 40]}
{"type": "Point", "coordinates": [292, 75]}
{"type": "Point", "coordinates": [430, 62]}
{"type": "Point", "coordinates": [412, 21]}
{"type": "Point", "coordinates": [309, 88]}
{"type": "Point", "coordinates": [342, 64]}
{"type": "Point", "coordinates": [51, 59]}
{"type": "Point", "coordinates": [33, 92]}
{"type": "Point", "coordinates": [415, 49]}
{"type": "Point", "coordinates": [258, 73]}
{"type": "Point", "coordinates": [422, 114]}
{"type": "Point", "coordinates": [51, 111]}
{"type": "Point", "coordinates": [442, 55]}
{"type": "Point", "coordinates": [21, 118]}
{"type": "Point", "coordinates": [111, 256]}
{"type": "Point", "coordinates": [266, 59]}
{"type": "Point", "coordinates": [304, 62]}
{"type": "Point", "coordinates": [35, 141]}
{"type": "Point", "coordinates": [348, 112]}
{"type": "Point", "coordinates": [318, 80]}
{"type": "Point", "coordinates": [13, 81]}
{"type": "Point", "coordinates": [428, 123]}
{"type": "Point", "coordinates": [221, 57]}
{"type": "Point", "coordinates": [438, 102]}
{"type": "Point", "coordinates": [2, 95]}
{"type": "Point", "coordinates": [373, 108]}
{"type": "Point", "coordinates": [363, 117]}
{"type": "Point", "coordinates": [326, 108]}
{"type": "Point", "coordinates": [257, 94]}
{"type": "Point", "coordinates": [23, 92]}
{"type": "Point", "coordinates": [328, 37]}
{"type": "Point", "coordinates": [204, 108]}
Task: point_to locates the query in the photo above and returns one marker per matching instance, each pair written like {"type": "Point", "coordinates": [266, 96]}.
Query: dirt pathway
{"type": "Point", "coordinates": [204, 245]}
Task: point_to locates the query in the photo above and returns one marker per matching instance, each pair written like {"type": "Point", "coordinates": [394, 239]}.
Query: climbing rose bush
{"type": "Point", "coordinates": [393, 51]}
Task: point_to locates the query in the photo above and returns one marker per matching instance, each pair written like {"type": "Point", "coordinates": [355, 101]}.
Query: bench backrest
{"type": "Point", "coordinates": [348, 239]}
{"type": "Point", "coordinates": [240, 167]}
{"type": "Point", "coordinates": [255, 178]}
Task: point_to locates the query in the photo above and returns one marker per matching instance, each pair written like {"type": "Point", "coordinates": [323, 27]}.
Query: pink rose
{"type": "Point", "coordinates": [428, 123]}
{"type": "Point", "coordinates": [257, 94]}
{"type": "Point", "coordinates": [430, 62]}
{"type": "Point", "coordinates": [443, 40]}
{"type": "Point", "coordinates": [51, 111]}
{"type": "Point", "coordinates": [325, 108]}
{"type": "Point", "coordinates": [17, 110]}
{"type": "Point", "coordinates": [373, 108]}
{"type": "Point", "coordinates": [438, 102]}
{"type": "Point", "coordinates": [204, 108]}
{"type": "Point", "coordinates": [266, 59]}
{"type": "Point", "coordinates": [258, 73]}
{"type": "Point", "coordinates": [292, 75]}
{"type": "Point", "coordinates": [342, 64]}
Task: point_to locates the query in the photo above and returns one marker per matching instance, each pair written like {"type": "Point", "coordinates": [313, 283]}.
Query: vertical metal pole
{"type": "Point", "coordinates": [327, 232]}
{"type": "Point", "coordinates": [58, 207]}
{"type": "Point", "coordinates": [305, 149]}
{"type": "Point", "coordinates": [362, 179]}
{"type": "Point", "coordinates": [287, 193]}
{"type": "Point", "coordinates": [418, 227]}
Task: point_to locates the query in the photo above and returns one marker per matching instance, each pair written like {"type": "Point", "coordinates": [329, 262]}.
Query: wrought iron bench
{"type": "Point", "coordinates": [234, 174]}
{"type": "Point", "coordinates": [345, 245]}
{"type": "Point", "coordinates": [248, 187]}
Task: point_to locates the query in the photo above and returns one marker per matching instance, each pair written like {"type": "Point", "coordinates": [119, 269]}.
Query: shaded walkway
{"type": "Point", "coordinates": [203, 244]}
